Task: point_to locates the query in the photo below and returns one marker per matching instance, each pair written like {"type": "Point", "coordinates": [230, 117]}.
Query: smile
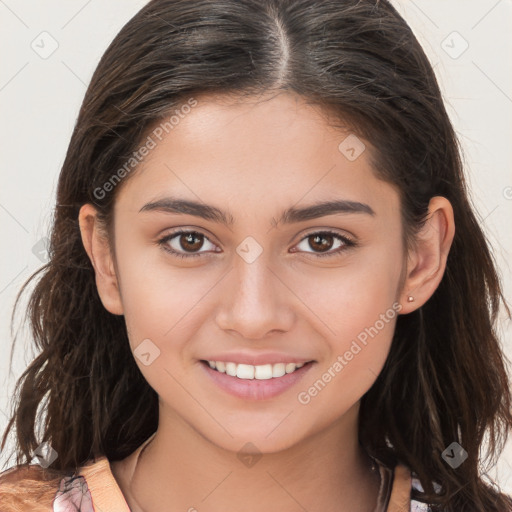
{"type": "Point", "coordinates": [260, 372]}
{"type": "Point", "coordinates": [255, 382]}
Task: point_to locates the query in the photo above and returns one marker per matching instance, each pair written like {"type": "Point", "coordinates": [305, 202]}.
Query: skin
{"type": "Point", "coordinates": [255, 159]}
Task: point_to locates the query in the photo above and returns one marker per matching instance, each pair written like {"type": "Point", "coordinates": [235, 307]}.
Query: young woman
{"type": "Point", "coordinates": [267, 288]}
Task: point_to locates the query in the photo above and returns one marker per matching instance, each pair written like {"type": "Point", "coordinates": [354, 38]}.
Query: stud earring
{"type": "Point", "coordinates": [410, 298]}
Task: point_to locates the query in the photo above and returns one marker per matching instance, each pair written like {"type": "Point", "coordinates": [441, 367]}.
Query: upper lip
{"type": "Point", "coordinates": [256, 359]}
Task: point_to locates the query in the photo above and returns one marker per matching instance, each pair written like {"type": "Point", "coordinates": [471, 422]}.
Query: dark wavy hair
{"type": "Point", "coordinates": [445, 378]}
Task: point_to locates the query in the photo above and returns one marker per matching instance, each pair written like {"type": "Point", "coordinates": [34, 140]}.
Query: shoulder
{"type": "Point", "coordinates": [403, 488]}
{"type": "Point", "coordinates": [16, 474]}
{"type": "Point", "coordinates": [26, 487]}
{"type": "Point", "coordinates": [30, 487]}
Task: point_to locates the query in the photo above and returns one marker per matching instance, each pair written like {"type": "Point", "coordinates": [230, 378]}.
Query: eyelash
{"type": "Point", "coordinates": [348, 243]}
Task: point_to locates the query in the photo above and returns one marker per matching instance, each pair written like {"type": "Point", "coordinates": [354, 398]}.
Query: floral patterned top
{"type": "Point", "coordinates": [95, 489]}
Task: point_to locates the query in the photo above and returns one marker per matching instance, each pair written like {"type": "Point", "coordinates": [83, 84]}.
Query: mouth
{"type": "Point", "coordinates": [251, 372]}
{"type": "Point", "coordinates": [261, 382]}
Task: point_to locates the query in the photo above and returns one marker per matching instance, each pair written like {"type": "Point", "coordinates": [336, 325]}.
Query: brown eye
{"type": "Point", "coordinates": [322, 242]}
{"type": "Point", "coordinates": [190, 241]}
{"type": "Point", "coordinates": [185, 244]}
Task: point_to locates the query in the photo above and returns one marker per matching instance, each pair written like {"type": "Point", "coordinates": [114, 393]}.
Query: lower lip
{"type": "Point", "coordinates": [255, 389]}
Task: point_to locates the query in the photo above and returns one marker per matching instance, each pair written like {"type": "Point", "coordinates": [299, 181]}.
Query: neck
{"type": "Point", "coordinates": [180, 468]}
{"type": "Point", "coordinates": [327, 471]}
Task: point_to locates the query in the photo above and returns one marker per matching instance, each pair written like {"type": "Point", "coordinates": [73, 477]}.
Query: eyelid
{"type": "Point", "coordinates": [330, 231]}
{"type": "Point", "coordinates": [348, 242]}
{"type": "Point", "coordinates": [182, 231]}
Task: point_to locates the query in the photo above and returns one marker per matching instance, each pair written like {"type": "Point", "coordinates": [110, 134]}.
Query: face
{"type": "Point", "coordinates": [254, 273]}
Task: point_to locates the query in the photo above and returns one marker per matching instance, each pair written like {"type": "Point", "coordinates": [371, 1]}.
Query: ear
{"type": "Point", "coordinates": [98, 249]}
{"type": "Point", "coordinates": [426, 262]}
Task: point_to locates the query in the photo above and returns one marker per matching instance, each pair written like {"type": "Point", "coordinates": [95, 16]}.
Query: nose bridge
{"type": "Point", "coordinates": [255, 301]}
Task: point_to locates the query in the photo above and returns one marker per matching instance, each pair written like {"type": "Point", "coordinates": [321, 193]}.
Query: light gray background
{"type": "Point", "coordinates": [40, 95]}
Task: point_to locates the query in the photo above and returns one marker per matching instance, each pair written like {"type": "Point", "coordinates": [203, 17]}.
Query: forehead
{"type": "Point", "coordinates": [253, 154]}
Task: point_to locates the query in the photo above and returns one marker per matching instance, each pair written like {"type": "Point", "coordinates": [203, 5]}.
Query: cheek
{"type": "Point", "coordinates": [161, 302]}
{"type": "Point", "coordinates": [355, 355]}
{"type": "Point", "coordinates": [360, 335]}
{"type": "Point", "coordinates": [341, 382]}
{"type": "Point", "coordinates": [358, 309]}
{"type": "Point", "coordinates": [351, 297]}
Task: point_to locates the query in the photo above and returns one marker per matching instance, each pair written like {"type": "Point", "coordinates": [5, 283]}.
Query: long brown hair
{"type": "Point", "coordinates": [445, 378]}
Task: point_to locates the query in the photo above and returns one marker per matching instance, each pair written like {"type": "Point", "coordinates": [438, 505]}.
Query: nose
{"type": "Point", "coordinates": [256, 300]}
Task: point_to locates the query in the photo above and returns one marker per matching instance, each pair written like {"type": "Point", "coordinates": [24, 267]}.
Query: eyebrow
{"type": "Point", "coordinates": [289, 216]}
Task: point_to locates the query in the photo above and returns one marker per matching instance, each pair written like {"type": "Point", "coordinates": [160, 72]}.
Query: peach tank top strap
{"type": "Point", "coordinates": [400, 499]}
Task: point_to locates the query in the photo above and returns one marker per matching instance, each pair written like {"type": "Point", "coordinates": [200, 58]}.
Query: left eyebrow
{"type": "Point", "coordinates": [323, 209]}
{"type": "Point", "coordinates": [288, 216]}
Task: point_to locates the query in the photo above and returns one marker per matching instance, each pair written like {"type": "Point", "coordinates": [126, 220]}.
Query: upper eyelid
{"type": "Point", "coordinates": [314, 231]}
{"type": "Point", "coordinates": [170, 236]}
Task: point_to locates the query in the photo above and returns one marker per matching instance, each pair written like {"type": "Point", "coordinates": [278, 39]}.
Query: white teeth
{"type": "Point", "coordinates": [231, 369]}
{"type": "Point", "coordinates": [290, 367]}
{"type": "Point", "coordinates": [245, 371]}
{"type": "Point", "coordinates": [248, 371]}
{"type": "Point", "coordinates": [278, 370]}
{"type": "Point", "coordinates": [263, 372]}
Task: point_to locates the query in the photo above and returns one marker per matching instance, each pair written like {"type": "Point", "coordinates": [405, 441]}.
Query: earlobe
{"type": "Point", "coordinates": [426, 263]}
{"type": "Point", "coordinates": [97, 247]}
